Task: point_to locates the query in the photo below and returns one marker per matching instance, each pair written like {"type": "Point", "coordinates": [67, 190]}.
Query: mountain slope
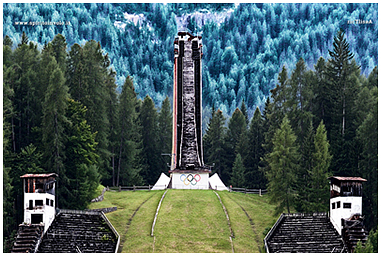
{"type": "Point", "coordinates": [245, 45]}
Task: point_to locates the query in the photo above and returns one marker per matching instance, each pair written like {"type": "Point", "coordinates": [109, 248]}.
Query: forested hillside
{"type": "Point", "coordinates": [245, 45]}
{"type": "Point", "coordinates": [289, 98]}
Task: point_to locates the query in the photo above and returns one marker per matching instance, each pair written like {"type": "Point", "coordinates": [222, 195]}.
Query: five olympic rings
{"type": "Point", "coordinates": [190, 179]}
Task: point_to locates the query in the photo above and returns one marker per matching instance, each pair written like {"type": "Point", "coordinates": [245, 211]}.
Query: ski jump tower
{"type": "Point", "coordinates": [187, 164]}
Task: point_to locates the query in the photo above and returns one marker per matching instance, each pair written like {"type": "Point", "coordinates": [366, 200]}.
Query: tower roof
{"type": "Point", "coordinates": [42, 175]}
{"type": "Point", "coordinates": [347, 178]}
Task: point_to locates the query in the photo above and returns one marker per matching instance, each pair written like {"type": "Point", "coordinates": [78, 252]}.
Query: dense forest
{"type": "Point", "coordinates": [245, 45]}
{"type": "Point", "coordinates": [286, 120]}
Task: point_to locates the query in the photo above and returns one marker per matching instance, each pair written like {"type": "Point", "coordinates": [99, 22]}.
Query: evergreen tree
{"type": "Point", "coordinates": [8, 202]}
{"type": "Point", "coordinates": [112, 114]}
{"type": "Point", "coordinates": [236, 131]}
{"type": "Point", "coordinates": [238, 172]}
{"type": "Point", "coordinates": [320, 172]}
{"type": "Point", "coordinates": [95, 99]}
{"type": "Point", "coordinates": [236, 139]}
{"type": "Point", "coordinates": [81, 178]}
{"type": "Point", "coordinates": [283, 162]}
{"type": "Point", "coordinates": [213, 144]}
{"type": "Point", "coordinates": [53, 123]}
{"type": "Point", "coordinates": [305, 170]}
{"type": "Point", "coordinates": [26, 58]}
{"type": "Point", "coordinates": [165, 129]}
{"type": "Point", "coordinates": [342, 76]}
{"type": "Point", "coordinates": [129, 165]}
{"type": "Point", "coordinates": [254, 176]}
{"type": "Point", "coordinates": [54, 119]}
{"type": "Point", "coordinates": [244, 111]}
{"type": "Point", "coordinates": [58, 46]}
{"type": "Point", "coordinates": [299, 103]}
{"type": "Point", "coordinates": [367, 134]}
{"type": "Point", "coordinates": [151, 155]}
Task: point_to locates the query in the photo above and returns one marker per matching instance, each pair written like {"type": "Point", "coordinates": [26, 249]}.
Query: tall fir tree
{"type": "Point", "coordinates": [213, 143]}
{"type": "Point", "coordinates": [95, 70]}
{"type": "Point", "coordinates": [236, 139]}
{"type": "Point", "coordinates": [165, 128]}
{"type": "Point", "coordinates": [112, 114]}
{"type": "Point", "coordinates": [26, 57]}
{"type": "Point", "coordinates": [319, 198]}
{"type": "Point", "coordinates": [284, 163]}
{"type": "Point", "coordinates": [342, 77]}
{"type": "Point", "coordinates": [366, 135]}
{"type": "Point", "coordinates": [151, 155]}
{"type": "Point", "coordinates": [81, 178]}
{"type": "Point", "coordinates": [254, 175]}
{"type": "Point", "coordinates": [53, 123]}
{"type": "Point", "coordinates": [238, 172]}
{"type": "Point", "coordinates": [130, 144]}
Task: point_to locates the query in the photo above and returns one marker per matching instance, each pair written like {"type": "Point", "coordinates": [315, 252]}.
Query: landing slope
{"type": "Point", "coordinates": [189, 221]}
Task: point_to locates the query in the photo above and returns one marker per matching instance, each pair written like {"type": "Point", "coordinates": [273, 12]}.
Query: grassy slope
{"type": "Point", "coordinates": [188, 221]}
{"type": "Point", "coordinates": [127, 202]}
{"type": "Point", "coordinates": [191, 220]}
{"type": "Point", "coordinates": [248, 236]}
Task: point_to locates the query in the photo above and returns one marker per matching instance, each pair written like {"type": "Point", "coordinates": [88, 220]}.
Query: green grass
{"type": "Point", "coordinates": [248, 238]}
{"type": "Point", "coordinates": [127, 202]}
{"type": "Point", "coordinates": [189, 221]}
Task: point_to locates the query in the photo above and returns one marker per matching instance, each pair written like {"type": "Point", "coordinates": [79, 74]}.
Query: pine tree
{"type": "Point", "coordinates": [26, 58]}
{"type": "Point", "coordinates": [236, 139]}
{"type": "Point", "coordinates": [151, 155]}
{"type": "Point", "coordinates": [244, 111]}
{"type": "Point", "coordinates": [342, 77]}
{"type": "Point", "coordinates": [254, 176]}
{"type": "Point", "coordinates": [95, 96]}
{"type": "Point", "coordinates": [8, 202]}
{"type": "Point", "coordinates": [283, 162]}
{"type": "Point", "coordinates": [112, 114]}
{"type": "Point", "coordinates": [129, 165]}
{"type": "Point", "coordinates": [238, 173]}
{"type": "Point", "coordinates": [366, 135]}
{"type": "Point", "coordinates": [81, 178]}
{"type": "Point", "coordinates": [213, 143]}
{"type": "Point", "coordinates": [53, 122]}
{"type": "Point", "coordinates": [320, 171]}
{"type": "Point", "coordinates": [58, 46]}
{"type": "Point", "coordinates": [165, 129]}
{"type": "Point", "coordinates": [305, 170]}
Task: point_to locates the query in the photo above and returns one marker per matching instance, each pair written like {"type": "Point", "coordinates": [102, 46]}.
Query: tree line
{"type": "Point", "coordinates": [315, 124]}
{"type": "Point", "coordinates": [62, 114]}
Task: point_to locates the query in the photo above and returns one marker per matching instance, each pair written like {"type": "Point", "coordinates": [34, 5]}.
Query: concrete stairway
{"type": "Point", "coordinates": [78, 232]}
{"type": "Point", "coordinates": [354, 231]}
{"type": "Point", "coordinates": [304, 233]}
{"type": "Point", "coordinates": [27, 238]}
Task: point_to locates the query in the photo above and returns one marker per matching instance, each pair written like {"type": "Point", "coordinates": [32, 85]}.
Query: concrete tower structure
{"type": "Point", "coordinates": [346, 199]}
{"type": "Point", "coordinates": [187, 164]}
{"type": "Point", "coordinates": [39, 198]}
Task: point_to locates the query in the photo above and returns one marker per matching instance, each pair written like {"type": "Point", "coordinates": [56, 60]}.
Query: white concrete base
{"type": "Point", "coordinates": [190, 180]}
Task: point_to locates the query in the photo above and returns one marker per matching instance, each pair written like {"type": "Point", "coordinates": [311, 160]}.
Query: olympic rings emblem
{"type": "Point", "coordinates": [190, 179]}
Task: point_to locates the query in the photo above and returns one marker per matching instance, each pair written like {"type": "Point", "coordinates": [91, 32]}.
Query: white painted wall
{"type": "Point", "coordinates": [190, 180]}
{"type": "Point", "coordinates": [342, 213]}
{"type": "Point", "coordinates": [47, 211]}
